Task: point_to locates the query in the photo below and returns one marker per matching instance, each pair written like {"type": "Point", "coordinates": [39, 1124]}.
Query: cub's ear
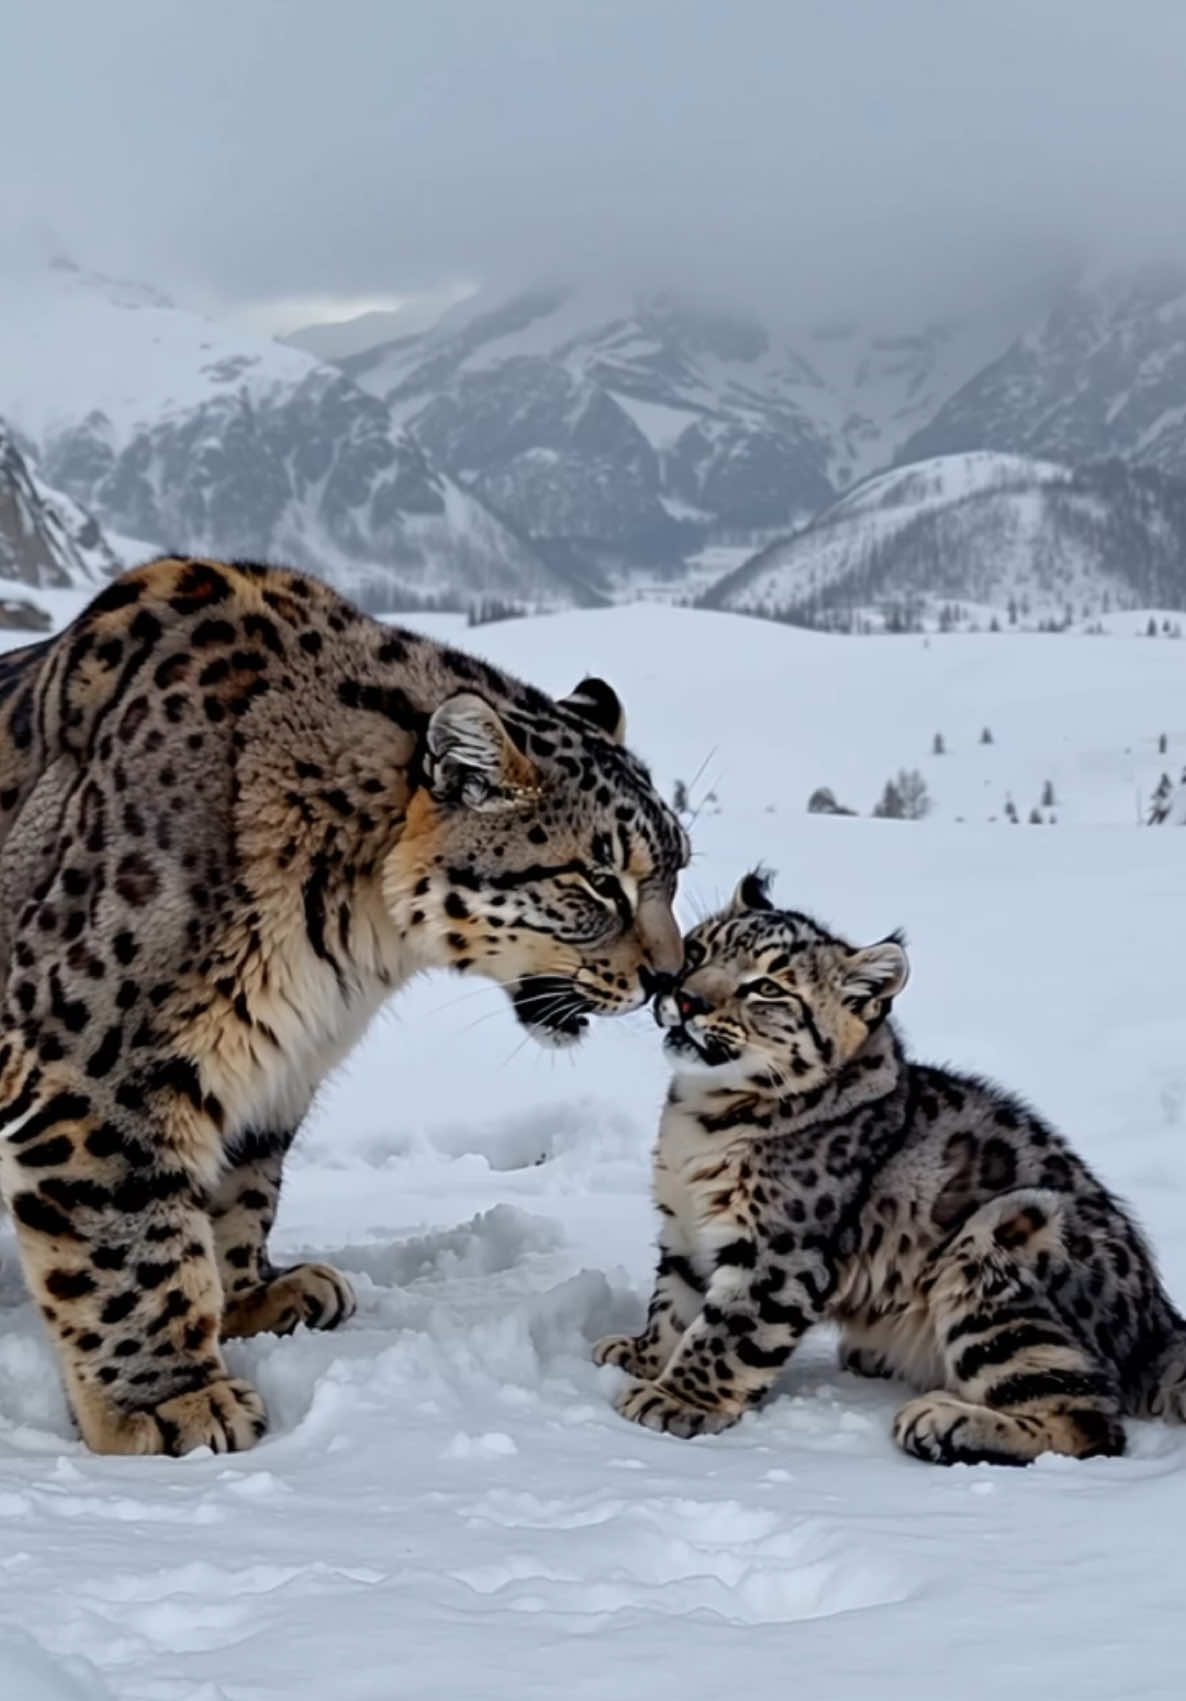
{"type": "Point", "coordinates": [877, 974]}
{"type": "Point", "coordinates": [471, 759]}
{"type": "Point", "coordinates": [753, 891]}
{"type": "Point", "coordinates": [598, 702]}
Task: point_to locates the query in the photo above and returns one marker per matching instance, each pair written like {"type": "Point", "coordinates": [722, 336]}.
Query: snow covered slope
{"type": "Point", "coordinates": [45, 537]}
{"type": "Point", "coordinates": [195, 437]}
{"type": "Point", "coordinates": [879, 387]}
{"type": "Point", "coordinates": [1104, 375]}
{"type": "Point", "coordinates": [74, 344]}
{"type": "Point", "coordinates": [447, 1506]}
{"type": "Point", "coordinates": [1027, 541]}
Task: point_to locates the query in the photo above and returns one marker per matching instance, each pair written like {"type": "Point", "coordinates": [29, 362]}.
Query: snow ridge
{"type": "Point", "coordinates": [46, 539]}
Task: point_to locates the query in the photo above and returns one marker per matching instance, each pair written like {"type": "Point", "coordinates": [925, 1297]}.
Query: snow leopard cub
{"type": "Point", "coordinates": [806, 1171]}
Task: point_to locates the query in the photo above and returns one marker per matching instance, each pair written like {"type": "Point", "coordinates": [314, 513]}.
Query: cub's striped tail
{"type": "Point", "coordinates": [1165, 1392]}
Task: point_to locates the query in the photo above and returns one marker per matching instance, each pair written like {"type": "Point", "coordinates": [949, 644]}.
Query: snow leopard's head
{"type": "Point", "coordinates": [538, 853]}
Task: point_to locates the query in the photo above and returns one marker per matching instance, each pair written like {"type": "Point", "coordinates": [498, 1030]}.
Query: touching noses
{"type": "Point", "coordinates": [690, 1004]}
{"type": "Point", "coordinates": [654, 982]}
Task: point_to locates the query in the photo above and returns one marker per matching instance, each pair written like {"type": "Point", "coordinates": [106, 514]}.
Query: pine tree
{"type": "Point", "coordinates": [1162, 745]}
{"type": "Point", "coordinates": [889, 805]}
{"type": "Point", "coordinates": [1035, 817]}
{"type": "Point", "coordinates": [1151, 629]}
{"type": "Point", "coordinates": [1011, 811]}
{"type": "Point", "coordinates": [1159, 803]}
{"type": "Point", "coordinates": [986, 735]}
{"type": "Point", "coordinates": [1048, 795]}
{"type": "Point", "coordinates": [679, 799]}
{"type": "Point", "coordinates": [938, 748]}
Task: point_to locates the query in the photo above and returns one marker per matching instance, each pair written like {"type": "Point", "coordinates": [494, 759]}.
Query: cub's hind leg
{"type": "Point", "coordinates": [677, 1298]}
{"type": "Point", "coordinates": [259, 1298]}
{"type": "Point", "coordinates": [107, 1194]}
{"type": "Point", "coordinates": [1019, 1381]}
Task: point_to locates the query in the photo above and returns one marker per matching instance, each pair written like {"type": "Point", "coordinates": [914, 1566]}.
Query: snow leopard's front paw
{"type": "Point", "coordinates": [656, 1408]}
{"type": "Point", "coordinates": [630, 1353]}
{"type": "Point", "coordinates": [316, 1295]}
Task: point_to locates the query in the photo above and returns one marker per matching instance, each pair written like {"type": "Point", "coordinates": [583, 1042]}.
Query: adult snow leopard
{"type": "Point", "coordinates": [807, 1171]}
{"type": "Point", "coordinates": [235, 815]}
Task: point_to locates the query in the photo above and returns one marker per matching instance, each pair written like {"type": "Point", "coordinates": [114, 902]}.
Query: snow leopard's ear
{"type": "Point", "coordinates": [598, 702]}
{"type": "Point", "coordinates": [876, 975]}
{"type": "Point", "coordinates": [470, 759]}
{"type": "Point", "coordinates": [752, 892]}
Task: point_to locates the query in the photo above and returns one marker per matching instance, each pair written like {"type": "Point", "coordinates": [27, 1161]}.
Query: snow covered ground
{"type": "Point", "coordinates": [447, 1508]}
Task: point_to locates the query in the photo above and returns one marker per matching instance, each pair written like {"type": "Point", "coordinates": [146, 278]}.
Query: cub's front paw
{"type": "Point", "coordinates": [655, 1408]}
{"type": "Point", "coordinates": [629, 1353]}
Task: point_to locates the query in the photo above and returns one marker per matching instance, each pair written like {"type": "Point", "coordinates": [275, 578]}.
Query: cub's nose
{"type": "Point", "coordinates": [690, 1004]}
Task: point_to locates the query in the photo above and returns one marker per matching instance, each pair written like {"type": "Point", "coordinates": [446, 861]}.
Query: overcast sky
{"type": "Point", "coordinates": [894, 156]}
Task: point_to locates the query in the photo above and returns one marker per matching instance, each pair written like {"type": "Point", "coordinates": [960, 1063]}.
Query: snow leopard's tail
{"type": "Point", "coordinates": [1165, 1389]}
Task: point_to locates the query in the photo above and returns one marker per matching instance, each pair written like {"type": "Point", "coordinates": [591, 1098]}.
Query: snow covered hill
{"type": "Point", "coordinates": [1103, 375]}
{"type": "Point", "coordinates": [447, 1505]}
{"type": "Point", "coordinates": [627, 432]}
{"type": "Point", "coordinates": [194, 437]}
{"type": "Point", "coordinates": [46, 539]}
{"type": "Point", "coordinates": [977, 537]}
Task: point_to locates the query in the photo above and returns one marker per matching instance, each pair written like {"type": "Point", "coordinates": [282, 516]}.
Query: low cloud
{"type": "Point", "coordinates": [893, 157]}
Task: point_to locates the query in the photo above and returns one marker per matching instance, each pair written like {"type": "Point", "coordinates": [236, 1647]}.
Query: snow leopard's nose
{"type": "Point", "coordinates": [690, 1004]}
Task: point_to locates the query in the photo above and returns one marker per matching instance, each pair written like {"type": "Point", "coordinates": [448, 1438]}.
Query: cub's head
{"type": "Point", "coordinates": [538, 853]}
{"type": "Point", "coordinates": [768, 1000]}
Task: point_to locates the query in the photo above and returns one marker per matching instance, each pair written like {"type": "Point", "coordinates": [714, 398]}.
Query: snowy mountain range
{"type": "Point", "coordinates": [572, 444]}
{"type": "Point", "coordinates": [625, 433]}
{"type": "Point", "coordinates": [1046, 544]}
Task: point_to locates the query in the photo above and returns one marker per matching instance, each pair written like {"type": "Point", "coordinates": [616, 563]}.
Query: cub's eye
{"type": "Point", "coordinates": [763, 988]}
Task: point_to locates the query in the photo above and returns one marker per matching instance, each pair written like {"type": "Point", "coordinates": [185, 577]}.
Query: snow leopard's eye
{"type": "Point", "coordinates": [763, 988]}
{"type": "Point", "coordinates": [693, 954]}
{"type": "Point", "coordinates": [606, 886]}
{"type": "Point", "coordinates": [609, 889]}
